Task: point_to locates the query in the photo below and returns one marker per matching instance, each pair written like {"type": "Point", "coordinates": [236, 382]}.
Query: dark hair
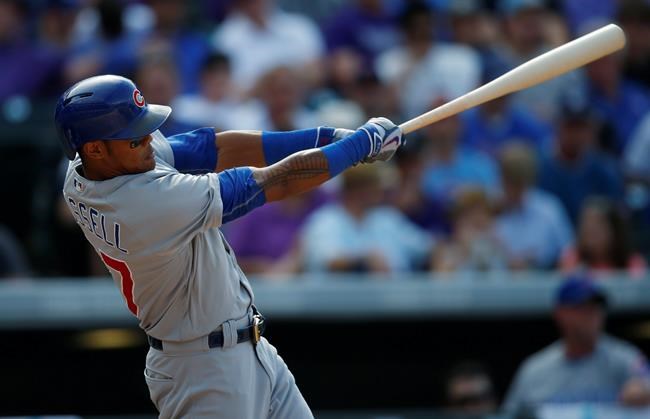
{"type": "Point", "coordinates": [413, 10]}
{"type": "Point", "coordinates": [215, 61]}
{"type": "Point", "coordinates": [110, 18]}
{"type": "Point", "coordinates": [619, 249]}
{"type": "Point", "coordinates": [637, 11]}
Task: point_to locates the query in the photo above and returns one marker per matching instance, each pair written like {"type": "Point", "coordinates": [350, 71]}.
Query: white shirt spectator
{"type": "Point", "coordinates": [331, 232]}
{"type": "Point", "coordinates": [636, 157]}
{"type": "Point", "coordinates": [537, 231]}
{"type": "Point", "coordinates": [446, 71]}
{"type": "Point", "coordinates": [196, 110]}
{"type": "Point", "coordinates": [286, 40]}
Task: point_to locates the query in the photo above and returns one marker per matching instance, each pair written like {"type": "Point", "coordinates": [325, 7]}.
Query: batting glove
{"type": "Point", "coordinates": [385, 138]}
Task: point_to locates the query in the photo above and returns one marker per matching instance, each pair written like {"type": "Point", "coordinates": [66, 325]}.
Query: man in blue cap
{"type": "Point", "coordinates": [585, 365]}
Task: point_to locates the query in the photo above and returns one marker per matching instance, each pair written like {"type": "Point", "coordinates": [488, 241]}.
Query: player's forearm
{"type": "Point", "coordinates": [260, 149]}
{"type": "Point", "coordinates": [296, 174]}
{"type": "Point", "coordinates": [307, 169]}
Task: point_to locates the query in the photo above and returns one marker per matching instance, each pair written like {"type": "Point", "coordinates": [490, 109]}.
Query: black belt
{"type": "Point", "coordinates": [215, 339]}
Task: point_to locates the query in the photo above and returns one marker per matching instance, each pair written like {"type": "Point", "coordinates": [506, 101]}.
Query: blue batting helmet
{"type": "Point", "coordinates": [104, 108]}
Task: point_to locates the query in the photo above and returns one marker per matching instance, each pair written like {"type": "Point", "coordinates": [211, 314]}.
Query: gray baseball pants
{"type": "Point", "coordinates": [236, 381]}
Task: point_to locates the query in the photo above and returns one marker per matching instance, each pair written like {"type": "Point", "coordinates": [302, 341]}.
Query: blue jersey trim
{"type": "Point", "coordinates": [240, 193]}
{"type": "Point", "coordinates": [194, 151]}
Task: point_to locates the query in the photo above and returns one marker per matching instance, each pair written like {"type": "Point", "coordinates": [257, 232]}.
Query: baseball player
{"type": "Point", "coordinates": [152, 206]}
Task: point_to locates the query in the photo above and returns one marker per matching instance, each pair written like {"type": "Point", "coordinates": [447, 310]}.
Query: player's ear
{"type": "Point", "coordinates": [94, 149]}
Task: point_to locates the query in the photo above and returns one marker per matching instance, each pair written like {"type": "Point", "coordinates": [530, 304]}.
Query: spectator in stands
{"type": "Point", "coordinates": [636, 159]}
{"type": "Point", "coordinates": [579, 12]}
{"type": "Point", "coordinates": [526, 26]}
{"type": "Point", "coordinates": [258, 37]}
{"type": "Point", "coordinates": [617, 100]}
{"type": "Point", "coordinates": [533, 225]}
{"type": "Point", "coordinates": [576, 169]}
{"type": "Point", "coordinates": [374, 97]}
{"type": "Point", "coordinates": [469, 390]}
{"type": "Point", "coordinates": [215, 102]}
{"type": "Point", "coordinates": [634, 18]}
{"type": "Point", "coordinates": [13, 262]}
{"type": "Point", "coordinates": [188, 48]}
{"type": "Point", "coordinates": [490, 126]}
{"type": "Point", "coordinates": [408, 195]}
{"type": "Point", "coordinates": [157, 77]}
{"type": "Point", "coordinates": [28, 68]}
{"type": "Point", "coordinates": [423, 70]}
{"type": "Point", "coordinates": [359, 234]}
{"type": "Point", "coordinates": [473, 25]}
{"type": "Point", "coordinates": [449, 166]}
{"type": "Point", "coordinates": [56, 23]}
{"type": "Point", "coordinates": [472, 245]}
{"type": "Point", "coordinates": [102, 44]}
{"type": "Point", "coordinates": [585, 365]}
{"type": "Point", "coordinates": [603, 243]}
{"type": "Point", "coordinates": [266, 241]}
{"type": "Point", "coordinates": [278, 105]}
{"type": "Point", "coordinates": [362, 26]}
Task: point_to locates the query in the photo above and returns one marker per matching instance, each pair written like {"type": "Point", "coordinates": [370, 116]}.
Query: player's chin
{"type": "Point", "coordinates": [149, 161]}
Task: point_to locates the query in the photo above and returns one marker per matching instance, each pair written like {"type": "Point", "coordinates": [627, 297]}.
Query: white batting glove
{"type": "Point", "coordinates": [385, 138]}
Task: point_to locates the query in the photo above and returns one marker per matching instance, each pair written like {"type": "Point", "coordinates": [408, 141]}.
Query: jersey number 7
{"type": "Point", "coordinates": [126, 280]}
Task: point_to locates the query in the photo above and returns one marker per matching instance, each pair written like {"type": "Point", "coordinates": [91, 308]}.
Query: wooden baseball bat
{"type": "Point", "coordinates": [560, 60]}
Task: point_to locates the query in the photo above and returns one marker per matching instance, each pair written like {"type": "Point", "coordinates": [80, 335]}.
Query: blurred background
{"type": "Point", "coordinates": [496, 267]}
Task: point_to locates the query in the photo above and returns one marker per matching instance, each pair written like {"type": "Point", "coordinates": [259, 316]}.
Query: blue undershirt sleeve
{"type": "Point", "coordinates": [194, 151]}
{"type": "Point", "coordinates": [240, 193]}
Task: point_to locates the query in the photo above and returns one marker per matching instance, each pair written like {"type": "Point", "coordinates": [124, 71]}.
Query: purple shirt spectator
{"type": "Point", "coordinates": [365, 27]}
{"type": "Point", "coordinates": [270, 232]}
{"type": "Point", "coordinates": [26, 69]}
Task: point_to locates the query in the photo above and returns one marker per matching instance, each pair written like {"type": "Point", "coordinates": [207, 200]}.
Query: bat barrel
{"type": "Point", "coordinates": [553, 63]}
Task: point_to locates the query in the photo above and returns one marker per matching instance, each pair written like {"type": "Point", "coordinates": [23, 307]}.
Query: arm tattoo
{"type": "Point", "coordinates": [296, 169]}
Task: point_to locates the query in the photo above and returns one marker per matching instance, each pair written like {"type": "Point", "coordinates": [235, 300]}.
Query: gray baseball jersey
{"type": "Point", "coordinates": [157, 233]}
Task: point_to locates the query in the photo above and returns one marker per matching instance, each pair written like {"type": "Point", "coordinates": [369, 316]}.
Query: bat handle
{"type": "Point", "coordinates": [441, 112]}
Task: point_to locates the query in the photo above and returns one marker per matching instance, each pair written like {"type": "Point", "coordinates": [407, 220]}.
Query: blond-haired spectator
{"type": "Point", "coordinates": [533, 225]}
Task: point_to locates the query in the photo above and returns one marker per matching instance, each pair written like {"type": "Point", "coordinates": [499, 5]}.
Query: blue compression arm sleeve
{"type": "Point", "coordinates": [240, 193]}
{"type": "Point", "coordinates": [347, 152]}
{"type": "Point", "coordinates": [278, 145]}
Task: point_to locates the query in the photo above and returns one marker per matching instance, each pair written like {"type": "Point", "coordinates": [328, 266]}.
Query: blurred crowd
{"type": "Point", "coordinates": [552, 177]}
{"type": "Point", "coordinates": [555, 177]}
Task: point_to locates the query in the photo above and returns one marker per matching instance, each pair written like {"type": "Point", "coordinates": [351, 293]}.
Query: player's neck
{"type": "Point", "coordinates": [577, 350]}
{"type": "Point", "coordinates": [97, 173]}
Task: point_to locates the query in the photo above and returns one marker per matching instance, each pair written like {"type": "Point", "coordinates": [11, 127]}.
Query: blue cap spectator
{"type": "Point", "coordinates": [579, 289]}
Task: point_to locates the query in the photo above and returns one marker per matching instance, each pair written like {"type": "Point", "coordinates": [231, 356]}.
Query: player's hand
{"type": "Point", "coordinates": [385, 139]}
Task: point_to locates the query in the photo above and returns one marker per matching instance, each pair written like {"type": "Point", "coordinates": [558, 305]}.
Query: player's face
{"type": "Point", "coordinates": [581, 323]}
{"type": "Point", "coordinates": [131, 156]}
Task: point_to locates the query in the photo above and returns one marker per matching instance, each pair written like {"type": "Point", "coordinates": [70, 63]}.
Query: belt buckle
{"type": "Point", "coordinates": [257, 332]}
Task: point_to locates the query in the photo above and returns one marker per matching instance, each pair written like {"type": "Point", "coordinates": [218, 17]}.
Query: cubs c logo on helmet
{"type": "Point", "coordinates": [137, 98]}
